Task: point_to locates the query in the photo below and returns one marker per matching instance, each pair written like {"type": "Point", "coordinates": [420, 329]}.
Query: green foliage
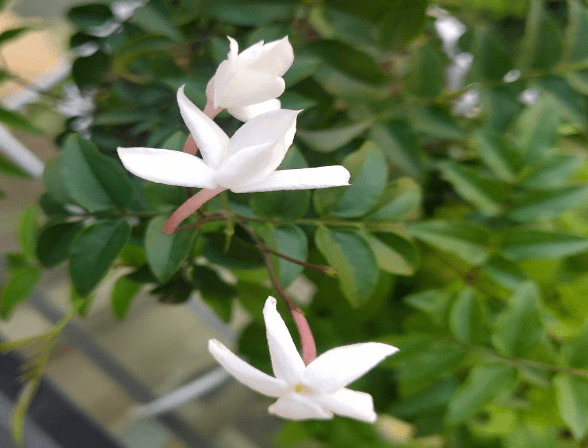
{"type": "Point", "coordinates": [461, 239]}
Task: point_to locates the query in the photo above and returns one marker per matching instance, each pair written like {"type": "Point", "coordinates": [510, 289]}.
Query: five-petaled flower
{"type": "Point", "coordinates": [248, 83]}
{"type": "Point", "coordinates": [247, 162]}
{"type": "Point", "coordinates": [315, 391]}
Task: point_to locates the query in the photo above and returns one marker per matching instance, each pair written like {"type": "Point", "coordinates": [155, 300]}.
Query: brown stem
{"type": "Point", "coordinates": [327, 270]}
{"type": "Point", "coordinates": [307, 343]}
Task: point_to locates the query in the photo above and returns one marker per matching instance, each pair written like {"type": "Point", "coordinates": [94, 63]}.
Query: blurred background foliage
{"type": "Point", "coordinates": [463, 239]}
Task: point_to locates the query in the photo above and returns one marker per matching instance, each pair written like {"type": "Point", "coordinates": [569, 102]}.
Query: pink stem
{"type": "Point", "coordinates": [189, 207]}
{"type": "Point", "coordinates": [306, 339]}
{"type": "Point", "coordinates": [190, 146]}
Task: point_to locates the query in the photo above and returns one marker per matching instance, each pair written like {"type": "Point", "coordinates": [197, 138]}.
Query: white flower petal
{"type": "Point", "coordinates": [300, 179]}
{"type": "Point", "coordinates": [250, 54]}
{"type": "Point", "coordinates": [233, 48]}
{"type": "Point", "coordinates": [246, 113]}
{"type": "Point", "coordinates": [169, 167]}
{"type": "Point", "coordinates": [286, 360]}
{"type": "Point", "coordinates": [340, 366]}
{"type": "Point", "coordinates": [349, 403]}
{"type": "Point", "coordinates": [209, 137]}
{"type": "Point", "coordinates": [245, 373]}
{"type": "Point", "coordinates": [248, 166]}
{"type": "Point", "coordinates": [275, 58]}
{"type": "Point", "coordinates": [244, 87]}
{"type": "Point", "coordinates": [274, 126]}
{"type": "Point", "coordinates": [299, 407]}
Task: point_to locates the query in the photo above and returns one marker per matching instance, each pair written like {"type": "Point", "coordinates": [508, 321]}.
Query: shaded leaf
{"type": "Point", "coordinates": [123, 293]}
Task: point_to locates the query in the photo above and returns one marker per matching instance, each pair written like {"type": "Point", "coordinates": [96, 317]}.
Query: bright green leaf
{"type": "Point", "coordinates": [538, 205]}
{"type": "Point", "coordinates": [123, 293]}
{"type": "Point", "coordinates": [393, 253]}
{"type": "Point", "coordinates": [17, 288]}
{"type": "Point", "coordinates": [400, 199]}
{"type": "Point", "coordinates": [466, 319]}
{"type": "Point", "coordinates": [572, 401]}
{"type": "Point", "coordinates": [28, 226]}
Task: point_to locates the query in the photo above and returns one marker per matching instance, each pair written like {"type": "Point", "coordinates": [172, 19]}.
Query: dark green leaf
{"type": "Point", "coordinates": [94, 250]}
{"type": "Point", "coordinates": [403, 23]}
{"type": "Point", "coordinates": [526, 244]}
{"type": "Point", "coordinates": [250, 12]}
{"type": "Point", "coordinates": [436, 123]}
{"type": "Point", "coordinates": [9, 168]}
{"type": "Point", "coordinates": [304, 66]}
{"type": "Point", "coordinates": [484, 384]}
{"type": "Point", "coordinates": [538, 205]}
{"type": "Point", "coordinates": [345, 86]}
{"type": "Point", "coordinates": [330, 139]}
{"type": "Point", "coordinates": [519, 328]}
{"type": "Point", "coordinates": [14, 120]}
{"type": "Point", "coordinates": [491, 60]}
{"type": "Point", "coordinates": [425, 77]}
{"type": "Point", "coordinates": [53, 182]}
{"type": "Point", "coordinates": [91, 70]}
{"type": "Point", "coordinates": [356, 266]}
{"type": "Point", "coordinates": [55, 241]}
{"type": "Point", "coordinates": [399, 200]}
{"type": "Point", "coordinates": [576, 42]}
{"type": "Point", "coordinates": [165, 253]}
{"type": "Point", "coordinates": [93, 180]}
{"type": "Point", "coordinates": [17, 288]}
{"type": "Point", "coordinates": [537, 130]}
{"type": "Point", "coordinates": [498, 154]}
{"type": "Point", "coordinates": [87, 17]}
{"type": "Point", "coordinates": [291, 241]}
{"type": "Point", "coordinates": [572, 104]}
{"type": "Point", "coordinates": [123, 293]}
{"type": "Point", "coordinates": [553, 172]}
{"type": "Point", "coordinates": [12, 34]}
{"type": "Point", "coordinates": [467, 240]}
{"type": "Point", "coordinates": [238, 255]}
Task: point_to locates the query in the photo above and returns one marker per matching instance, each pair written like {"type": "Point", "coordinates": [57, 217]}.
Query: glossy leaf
{"type": "Point", "coordinates": [165, 253]}
{"type": "Point", "coordinates": [351, 256]}
{"type": "Point", "coordinates": [94, 181]}
{"type": "Point", "coordinates": [93, 251]}
{"type": "Point", "coordinates": [55, 241]}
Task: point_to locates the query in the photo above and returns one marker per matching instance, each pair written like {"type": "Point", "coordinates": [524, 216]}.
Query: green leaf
{"type": "Point", "coordinates": [28, 226]}
{"type": "Point", "coordinates": [491, 61]}
{"type": "Point", "coordinates": [569, 102]}
{"type": "Point", "coordinates": [436, 122]}
{"type": "Point", "coordinates": [123, 293]}
{"type": "Point", "coordinates": [436, 362]}
{"type": "Point", "coordinates": [484, 384]}
{"type": "Point", "coordinates": [553, 172]}
{"type": "Point", "coordinates": [574, 351]}
{"type": "Point", "coordinates": [541, 46]}
{"type": "Point", "coordinates": [498, 154]}
{"type": "Point", "coordinates": [292, 204]}
{"type": "Point", "coordinates": [150, 19]}
{"type": "Point", "coordinates": [400, 199]}
{"type": "Point", "coordinates": [14, 120]}
{"type": "Point", "coordinates": [537, 130]}
{"type": "Point", "coordinates": [251, 12]}
{"type": "Point", "coordinates": [400, 145]}
{"type": "Point", "coordinates": [12, 34]}
{"type": "Point", "coordinates": [53, 182]}
{"type": "Point", "coordinates": [90, 71]}
{"type": "Point", "coordinates": [94, 250]}
{"type": "Point", "coordinates": [434, 302]}
{"type": "Point", "coordinates": [504, 272]}
{"type": "Point", "coordinates": [527, 244]}
{"type": "Point", "coordinates": [165, 253]}
{"type": "Point", "coordinates": [239, 254]}
{"type": "Point", "coordinates": [578, 80]}
{"type": "Point", "coordinates": [467, 240]}
{"type": "Point", "coordinates": [304, 65]}
{"type": "Point", "coordinates": [345, 86]}
{"type": "Point", "coordinates": [86, 17]}
{"type": "Point", "coordinates": [349, 253]}
{"type": "Point", "coordinates": [330, 139]}
{"type": "Point", "coordinates": [393, 253]}
{"type": "Point", "coordinates": [348, 59]}
{"type": "Point", "coordinates": [93, 180]}
{"type": "Point", "coordinates": [17, 288]}
{"type": "Point", "coordinates": [466, 319]}
{"type": "Point", "coordinates": [486, 193]}
{"type": "Point", "coordinates": [368, 180]}
{"type": "Point", "coordinates": [576, 42]}
{"type": "Point", "coordinates": [425, 77]}
{"type": "Point", "coordinates": [291, 241]}
{"type": "Point", "coordinates": [54, 242]}
{"type": "Point", "coordinates": [404, 22]}
{"type": "Point", "coordinates": [572, 401]}
{"type": "Point", "coordinates": [518, 328]}
{"type": "Point", "coordinates": [538, 205]}
{"type": "Point", "coordinates": [9, 168]}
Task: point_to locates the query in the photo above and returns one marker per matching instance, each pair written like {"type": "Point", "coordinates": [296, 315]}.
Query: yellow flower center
{"type": "Point", "coordinates": [302, 389]}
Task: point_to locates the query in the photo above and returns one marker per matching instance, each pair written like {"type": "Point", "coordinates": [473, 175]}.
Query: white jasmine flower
{"type": "Point", "coordinates": [315, 391]}
{"type": "Point", "coordinates": [87, 49]}
{"type": "Point", "coordinates": [248, 83]}
{"type": "Point", "coordinates": [449, 30]}
{"type": "Point", "coordinates": [512, 76]}
{"type": "Point", "coordinates": [244, 163]}
{"type": "Point", "coordinates": [124, 9]}
{"type": "Point", "coordinates": [106, 29]}
{"type": "Point", "coordinates": [468, 104]}
{"type": "Point", "coordinates": [457, 71]}
{"type": "Point", "coordinates": [529, 97]}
